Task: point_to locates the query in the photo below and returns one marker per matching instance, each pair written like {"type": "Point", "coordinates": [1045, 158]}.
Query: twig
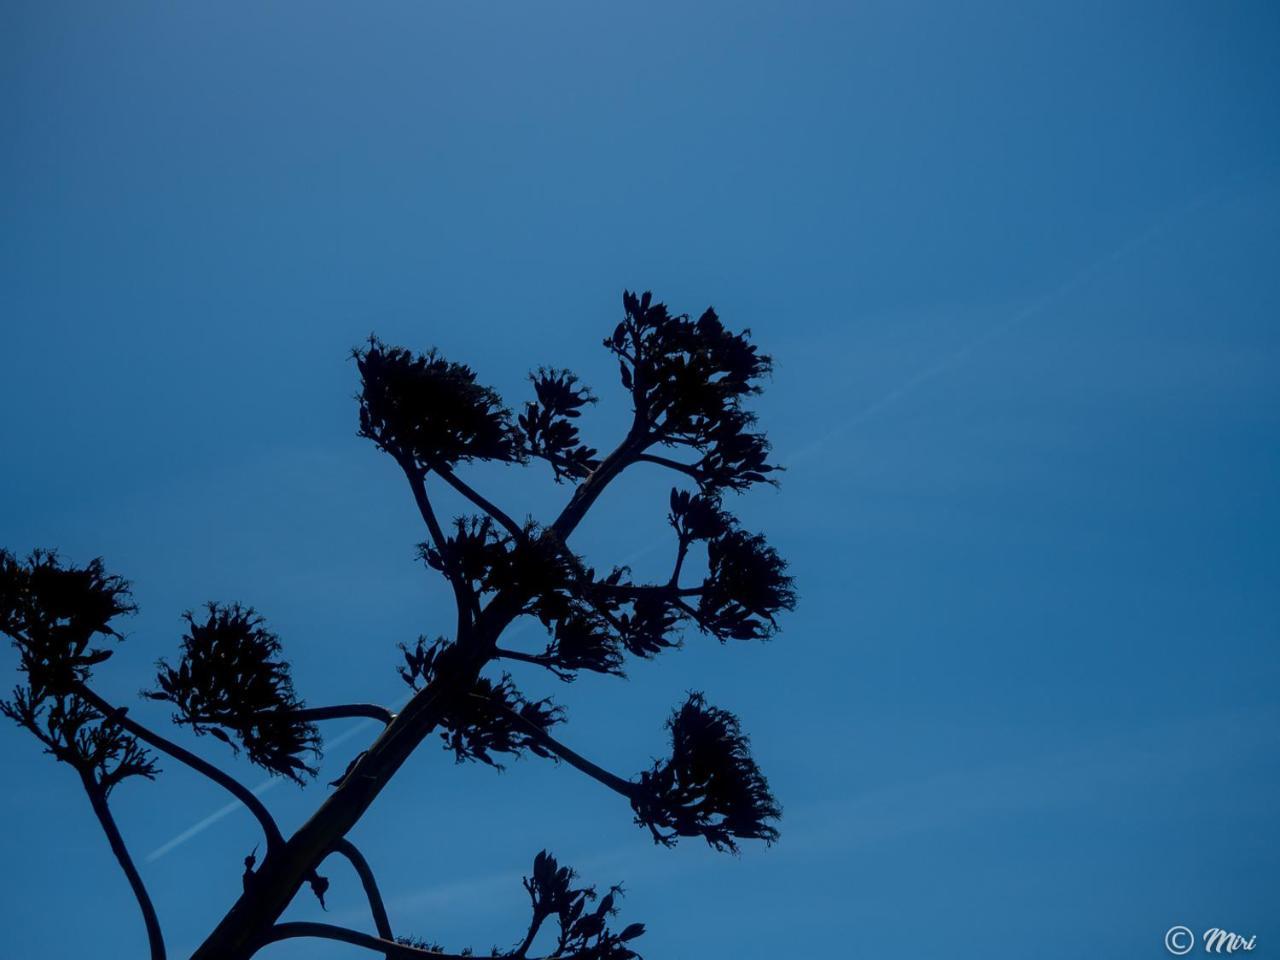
{"type": "Point", "coordinates": [483, 503]}
{"type": "Point", "coordinates": [380, 922]}
{"type": "Point", "coordinates": [569, 756]}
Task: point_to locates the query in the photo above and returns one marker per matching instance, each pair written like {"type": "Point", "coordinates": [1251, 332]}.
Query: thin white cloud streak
{"type": "Point", "coordinates": [223, 812]}
{"type": "Point", "coordinates": [962, 355]}
{"type": "Point", "coordinates": [201, 826]}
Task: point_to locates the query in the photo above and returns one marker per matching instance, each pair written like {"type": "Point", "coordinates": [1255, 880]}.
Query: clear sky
{"type": "Point", "coordinates": [1017, 263]}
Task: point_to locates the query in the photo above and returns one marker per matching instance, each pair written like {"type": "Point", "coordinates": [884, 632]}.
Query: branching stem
{"type": "Point", "coordinates": [685, 468]}
{"type": "Point", "coordinates": [611, 780]}
{"type": "Point", "coordinates": [198, 764]}
{"type": "Point", "coordinates": [483, 503]}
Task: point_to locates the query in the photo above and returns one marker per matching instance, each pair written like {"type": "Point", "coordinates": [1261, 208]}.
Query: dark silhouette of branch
{"type": "Point", "coordinates": [649, 589]}
{"type": "Point", "coordinates": [685, 468]}
{"type": "Point", "coordinates": [484, 504]}
{"type": "Point", "coordinates": [589, 491]}
{"type": "Point", "coordinates": [576, 760]}
{"type": "Point", "coordinates": [98, 800]}
{"type": "Point", "coordinates": [328, 931]}
{"type": "Point", "coordinates": [417, 483]}
{"type": "Point", "coordinates": [393, 950]}
{"type": "Point", "coordinates": [338, 711]}
{"type": "Point", "coordinates": [537, 659]}
{"type": "Point", "coordinates": [461, 589]}
{"type": "Point", "coordinates": [380, 922]}
{"type": "Point", "coordinates": [226, 781]}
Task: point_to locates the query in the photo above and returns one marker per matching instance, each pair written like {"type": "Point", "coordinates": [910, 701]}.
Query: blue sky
{"type": "Point", "coordinates": [1017, 264]}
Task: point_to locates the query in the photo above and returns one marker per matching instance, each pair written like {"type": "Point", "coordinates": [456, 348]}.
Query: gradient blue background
{"type": "Point", "coordinates": [1018, 266]}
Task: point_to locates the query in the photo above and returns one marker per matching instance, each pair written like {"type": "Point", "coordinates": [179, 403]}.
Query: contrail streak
{"type": "Point", "coordinates": [222, 812]}
{"type": "Point", "coordinates": [962, 355]}
{"type": "Point", "coordinates": [203, 825]}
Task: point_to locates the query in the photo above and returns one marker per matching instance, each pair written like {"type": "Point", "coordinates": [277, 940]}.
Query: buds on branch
{"type": "Point", "coordinates": [581, 916]}
{"type": "Point", "coordinates": [52, 613]}
{"type": "Point", "coordinates": [230, 679]}
{"type": "Point", "coordinates": [548, 427]}
{"type": "Point", "coordinates": [584, 933]}
{"type": "Point", "coordinates": [75, 733]}
{"type": "Point", "coordinates": [688, 379]}
{"type": "Point", "coordinates": [710, 787]}
{"type": "Point", "coordinates": [479, 722]}
{"type": "Point", "coordinates": [428, 412]}
{"type": "Point", "coordinates": [746, 583]}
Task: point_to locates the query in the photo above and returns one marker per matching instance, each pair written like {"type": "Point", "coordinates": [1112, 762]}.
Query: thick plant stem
{"type": "Point", "coordinates": [246, 925]}
{"type": "Point", "coordinates": [242, 930]}
{"type": "Point", "coordinates": [98, 800]}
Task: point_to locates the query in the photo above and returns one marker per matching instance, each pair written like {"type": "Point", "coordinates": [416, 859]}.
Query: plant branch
{"type": "Point", "coordinates": [241, 930]}
{"type": "Point", "coordinates": [611, 780]}
{"type": "Point", "coordinates": [367, 880]}
{"type": "Point", "coordinates": [98, 800]}
{"type": "Point", "coordinates": [200, 765]}
{"type": "Point", "coordinates": [463, 594]}
{"type": "Point", "coordinates": [337, 711]}
{"type": "Point", "coordinates": [329, 931]}
{"type": "Point", "coordinates": [534, 926]}
{"type": "Point", "coordinates": [649, 589]}
{"type": "Point", "coordinates": [693, 615]}
{"type": "Point", "coordinates": [483, 503]}
{"type": "Point", "coordinates": [682, 551]}
{"type": "Point", "coordinates": [393, 950]}
{"type": "Point", "coordinates": [685, 468]}
{"type": "Point", "coordinates": [538, 660]}
{"type": "Point", "coordinates": [626, 453]}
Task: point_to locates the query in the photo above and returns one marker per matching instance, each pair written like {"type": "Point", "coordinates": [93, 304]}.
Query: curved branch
{"type": "Point", "coordinates": [380, 922]}
{"type": "Point", "coordinates": [98, 800]}
{"type": "Point", "coordinates": [682, 551]}
{"type": "Point", "coordinates": [393, 950]}
{"type": "Point", "coordinates": [538, 660]}
{"type": "Point", "coordinates": [649, 589]}
{"type": "Point", "coordinates": [627, 452]}
{"type": "Point", "coordinates": [534, 926]}
{"type": "Point", "coordinates": [686, 468]}
{"type": "Point", "coordinates": [611, 780]}
{"type": "Point", "coordinates": [233, 786]}
{"type": "Point", "coordinates": [419, 486]}
{"type": "Point", "coordinates": [338, 711]}
{"type": "Point", "coordinates": [329, 931]}
{"type": "Point", "coordinates": [483, 503]}
{"type": "Point", "coordinates": [462, 592]}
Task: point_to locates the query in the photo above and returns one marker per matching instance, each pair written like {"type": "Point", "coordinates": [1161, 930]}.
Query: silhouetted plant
{"type": "Point", "coordinates": [229, 680]}
{"type": "Point", "coordinates": [688, 381]}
